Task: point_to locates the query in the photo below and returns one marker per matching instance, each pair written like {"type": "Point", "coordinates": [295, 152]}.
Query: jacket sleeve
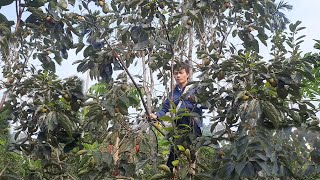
{"type": "Point", "coordinates": [165, 108]}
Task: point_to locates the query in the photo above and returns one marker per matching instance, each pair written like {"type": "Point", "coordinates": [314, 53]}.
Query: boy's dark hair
{"type": "Point", "coordinates": [181, 65]}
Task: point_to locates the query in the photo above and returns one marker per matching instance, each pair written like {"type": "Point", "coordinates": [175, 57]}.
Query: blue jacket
{"type": "Point", "coordinates": [192, 107]}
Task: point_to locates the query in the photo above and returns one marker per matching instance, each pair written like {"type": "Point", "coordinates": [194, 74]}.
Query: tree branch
{"type": "Point", "coordinates": [19, 12]}
{"type": "Point", "coordinates": [224, 36]}
{"type": "Point", "coordinates": [3, 169]}
{"type": "Point", "coordinates": [190, 49]}
{"type": "Point", "coordinates": [139, 91]}
{"type": "Point", "coordinates": [172, 52]}
{"type": "Point", "coordinates": [3, 100]}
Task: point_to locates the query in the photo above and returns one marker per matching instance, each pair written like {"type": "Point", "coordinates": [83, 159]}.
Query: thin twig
{"type": "Point", "coordinates": [19, 12]}
{"type": "Point", "coordinates": [71, 176]}
{"type": "Point", "coordinates": [4, 169]}
{"type": "Point", "coordinates": [3, 100]}
{"type": "Point", "coordinates": [224, 38]}
{"type": "Point", "coordinates": [172, 52]}
{"type": "Point", "coordinates": [168, 38]}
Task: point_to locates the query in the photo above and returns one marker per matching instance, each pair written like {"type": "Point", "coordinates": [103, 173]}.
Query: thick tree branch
{"type": "Point", "coordinates": [3, 100]}
{"type": "Point", "coordinates": [190, 53]}
{"type": "Point", "coordinates": [1, 173]}
{"type": "Point", "coordinates": [139, 91]}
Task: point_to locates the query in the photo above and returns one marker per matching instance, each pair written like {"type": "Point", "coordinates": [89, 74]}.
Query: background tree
{"type": "Point", "coordinates": [258, 103]}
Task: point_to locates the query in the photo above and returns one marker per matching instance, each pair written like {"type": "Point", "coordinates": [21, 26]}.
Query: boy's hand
{"type": "Point", "coordinates": [153, 116]}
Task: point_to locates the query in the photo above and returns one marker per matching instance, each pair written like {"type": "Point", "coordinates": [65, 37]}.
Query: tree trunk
{"type": "Point", "coordinates": [190, 53]}
{"type": "Point", "coordinates": [116, 152]}
{"type": "Point", "coordinates": [148, 91]}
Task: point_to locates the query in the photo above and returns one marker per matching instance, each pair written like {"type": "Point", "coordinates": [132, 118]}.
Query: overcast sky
{"type": "Point", "coordinates": [306, 11]}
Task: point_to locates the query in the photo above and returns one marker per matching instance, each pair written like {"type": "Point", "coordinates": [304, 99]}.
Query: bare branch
{"type": "Point", "coordinates": [139, 91]}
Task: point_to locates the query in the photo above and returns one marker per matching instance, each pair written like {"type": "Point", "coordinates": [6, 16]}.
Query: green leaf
{"type": "Point", "coordinates": [293, 27]}
{"type": "Point", "coordinates": [193, 13]}
{"type": "Point", "coordinates": [79, 47]}
{"type": "Point", "coordinates": [165, 168]}
{"type": "Point", "coordinates": [163, 41]}
{"type": "Point", "coordinates": [228, 169]}
{"type": "Point", "coordinates": [255, 45]}
{"type": "Point", "coordinates": [260, 9]}
{"type": "Point", "coordinates": [51, 120]}
{"type": "Point", "coordinates": [188, 114]}
{"type": "Point", "coordinates": [88, 51]}
{"type": "Point", "coordinates": [262, 156]}
{"type": "Point", "coordinates": [113, 6]}
{"type": "Point", "coordinates": [295, 116]}
{"type": "Point", "coordinates": [202, 176]}
{"type": "Point", "coordinates": [264, 166]}
{"type": "Point", "coordinates": [72, 2]}
{"type": "Point", "coordinates": [142, 163]}
{"type": "Point", "coordinates": [123, 109]}
{"type": "Point", "coordinates": [275, 167]}
{"type": "Point", "coordinates": [35, 3]}
{"type": "Point", "coordinates": [124, 99]}
{"type": "Point", "coordinates": [109, 108]}
{"type": "Point", "coordinates": [175, 162]}
{"type": "Point", "coordinates": [168, 129]}
{"type": "Point", "coordinates": [181, 148]}
{"type": "Point", "coordinates": [213, 126]}
{"type": "Point", "coordinates": [66, 123]}
{"type": "Point", "coordinates": [271, 113]}
{"type": "Point", "coordinates": [248, 170]}
{"type": "Point", "coordinates": [166, 118]}
{"type": "Point", "coordinates": [278, 147]}
{"type": "Point", "coordinates": [68, 147]}
{"type": "Point", "coordinates": [5, 2]}
{"type": "Point", "coordinates": [159, 177]}
{"type": "Point", "coordinates": [4, 28]}
{"type": "Point", "coordinates": [106, 8]}
{"type": "Point", "coordinates": [83, 161]}
{"type": "Point", "coordinates": [63, 4]}
{"type": "Point", "coordinates": [239, 166]}
{"type": "Point", "coordinates": [10, 176]}
{"type": "Point", "coordinates": [234, 33]}
{"type": "Point", "coordinates": [82, 67]}
{"type": "Point", "coordinates": [309, 170]}
{"type": "Point", "coordinates": [282, 93]}
{"type": "Point", "coordinates": [300, 37]}
{"type": "Point", "coordinates": [242, 144]}
{"type": "Point", "coordinates": [134, 101]}
{"type": "Point", "coordinates": [254, 110]}
{"type": "Point", "coordinates": [263, 38]}
{"type": "Point", "coordinates": [308, 74]}
{"type": "Point", "coordinates": [141, 45]}
{"type": "Point", "coordinates": [317, 46]}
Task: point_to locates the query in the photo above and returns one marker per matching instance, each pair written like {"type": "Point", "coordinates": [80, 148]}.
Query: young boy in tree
{"type": "Point", "coordinates": [183, 98]}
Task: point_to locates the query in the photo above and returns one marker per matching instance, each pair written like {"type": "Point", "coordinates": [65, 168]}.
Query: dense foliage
{"type": "Point", "coordinates": [263, 106]}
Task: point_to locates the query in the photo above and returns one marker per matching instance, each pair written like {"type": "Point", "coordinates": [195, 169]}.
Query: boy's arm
{"type": "Point", "coordinates": [164, 110]}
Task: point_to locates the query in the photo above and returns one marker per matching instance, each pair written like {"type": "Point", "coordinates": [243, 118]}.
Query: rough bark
{"type": "Point", "coordinates": [190, 53]}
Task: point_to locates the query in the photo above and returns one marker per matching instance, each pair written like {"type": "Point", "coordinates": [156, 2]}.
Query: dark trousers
{"type": "Point", "coordinates": [188, 131]}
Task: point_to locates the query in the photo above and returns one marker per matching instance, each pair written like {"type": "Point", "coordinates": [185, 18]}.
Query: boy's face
{"type": "Point", "coordinates": [181, 76]}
